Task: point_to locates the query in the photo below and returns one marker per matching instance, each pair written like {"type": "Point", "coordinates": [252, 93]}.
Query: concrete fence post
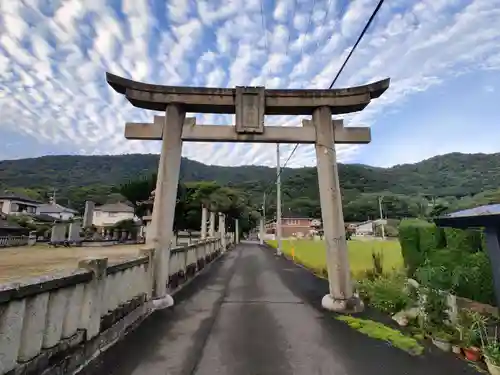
{"type": "Point", "coordinates": [33, 326]}
{"type": "Point", "coordinates": [222, 231]}
{"type": "Point", "coordinates": [149, 271]}
{"type": "Point", "coordinates": [237, 232]}
{"type": "Point", "coordinates": [11, 325]}
{"type": "Point", "coordinates": [56, 311]}
{"type": "Point", "coordinates": [204, 214]}
{"type": "Point", "coordinates": [93, 295]}
{"type": "Point", "coordinates": [74, 309]}
{"type": "Point", "coordinates": [211, 230]}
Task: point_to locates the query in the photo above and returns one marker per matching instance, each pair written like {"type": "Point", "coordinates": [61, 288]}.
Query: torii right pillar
{"type": "Point", "coordinates": [341, 296]}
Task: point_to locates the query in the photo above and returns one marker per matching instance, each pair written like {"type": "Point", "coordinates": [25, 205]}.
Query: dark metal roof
{"type": "Point", "coordinates": [482, 216]}
{"type": "Point", "coordinates": [44, 217]}
{"type": "Point", "coordinates": [19, 197]}
{"type": "Point", "coordinates": [4, 224]}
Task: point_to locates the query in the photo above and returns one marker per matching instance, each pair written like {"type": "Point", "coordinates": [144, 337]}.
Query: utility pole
{"type": "Point", "coordinates": [264, 207]}
{"type": "Point", "coordinates": [278, 200]}
{"type": "Point", "coordinates": [262, 229]}
{"type": "Point", "coordinates": [381, 216]}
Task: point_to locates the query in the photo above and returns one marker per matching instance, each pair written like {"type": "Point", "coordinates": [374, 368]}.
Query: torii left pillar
{"type": "Point", "coordinates": [162, 220]}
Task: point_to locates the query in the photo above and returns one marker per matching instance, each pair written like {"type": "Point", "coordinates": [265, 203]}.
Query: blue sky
{"type": "Point", "coordinates": [443, 57]}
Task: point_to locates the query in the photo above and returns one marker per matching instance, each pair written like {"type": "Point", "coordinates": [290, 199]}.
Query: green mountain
{"type": "Point", "coordinates": [77, 178]}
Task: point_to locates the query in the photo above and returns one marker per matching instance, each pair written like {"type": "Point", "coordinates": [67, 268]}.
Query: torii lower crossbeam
{"type": "Point", "coordinates": [226, 133]}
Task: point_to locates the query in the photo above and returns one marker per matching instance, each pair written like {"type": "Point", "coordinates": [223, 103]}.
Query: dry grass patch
{"type": "Point", "coordinates": [17, 263]}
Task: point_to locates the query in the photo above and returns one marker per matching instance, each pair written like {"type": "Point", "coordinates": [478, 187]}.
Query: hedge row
{"type": "Point", "coordinates": [451, 259]}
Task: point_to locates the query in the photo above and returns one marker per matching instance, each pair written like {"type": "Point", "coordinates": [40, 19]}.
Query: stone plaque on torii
{"type": "Point", "coordinates": [250, 105]}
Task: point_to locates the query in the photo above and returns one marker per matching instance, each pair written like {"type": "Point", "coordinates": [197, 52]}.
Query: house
{"type": "Point", "coordinates": [16, 204]}
{"type": "Point", "coordinates": [367, 228]}
{"type": "Point", "coordinates": [110, 214]}
{"type": "Point", "coordinates": [295, 226]}
{"type": "Point", "coordinates": [56, 211]}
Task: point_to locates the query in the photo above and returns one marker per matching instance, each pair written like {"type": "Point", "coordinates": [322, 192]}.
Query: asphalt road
{"type": "Point", "coordinates": [255, 314]}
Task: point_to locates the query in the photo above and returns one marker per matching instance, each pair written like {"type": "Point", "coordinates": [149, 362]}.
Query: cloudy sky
{"type": "Point", "coordinates": [443, 57]}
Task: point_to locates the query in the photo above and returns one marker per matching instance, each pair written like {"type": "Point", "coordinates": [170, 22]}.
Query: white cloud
{"type": "Point", "coordinates": [52, 61]}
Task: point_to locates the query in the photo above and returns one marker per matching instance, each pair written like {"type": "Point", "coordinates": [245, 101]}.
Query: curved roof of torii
{"type": "Point", "coordinates": [222, 100]}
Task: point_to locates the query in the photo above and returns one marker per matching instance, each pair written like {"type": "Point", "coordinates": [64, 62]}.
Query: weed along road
{"type": "Point", "coordinates": [253, 313]}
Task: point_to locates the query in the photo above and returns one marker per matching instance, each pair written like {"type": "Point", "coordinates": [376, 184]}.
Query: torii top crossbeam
{"type": "Point", "coordinates": [225, 100]}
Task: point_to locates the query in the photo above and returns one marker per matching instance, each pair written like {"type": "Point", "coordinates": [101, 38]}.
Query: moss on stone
{"type": "Point", "coordinates": [380, 331]}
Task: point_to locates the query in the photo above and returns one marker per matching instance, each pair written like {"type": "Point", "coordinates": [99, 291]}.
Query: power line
{"type": "Point", "coordinates": [289, 32]}
{"type": "Point", "coordinates": [357, 41]}
{"type": "Point", "coordinates": [307, 29]}
{"type": "Point", "coordinates": [270, 186]}
{"type": "Point", "coordinates": [264, 28]}
{"type": "Point", "coordinates": [363, 32]}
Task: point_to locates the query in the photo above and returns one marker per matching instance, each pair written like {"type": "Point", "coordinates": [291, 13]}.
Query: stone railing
{"type": "Point", "coordinates": [186, 261]}
{"type": "Point", "coordinates": [61, 322]}
{"type": "Point", "coordinates": [7, 241]}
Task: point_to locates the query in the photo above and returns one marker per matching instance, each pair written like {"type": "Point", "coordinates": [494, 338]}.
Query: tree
{"type": "Point", "coordinates": [438, 210]}
{"type": "Point", "coordinates": [137, 192]}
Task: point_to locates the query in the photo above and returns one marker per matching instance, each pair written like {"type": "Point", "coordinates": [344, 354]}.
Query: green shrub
{"type": "Point", "coordinates": [466, 275]}
{"type": "Point", "coordinates": [386, 293]}
{"type": "Point", "coordinates": [414, 242]}
{"type": "Point", "coordinates": [476, 280]}
{"type": "Point", "coordinates": [447, 259]}
{"type": "Point", "coordinates": [428, 238]}
{"type": "Point", "coordinates": [469, 240]}
{"type": "Point", "coordinates": [436, 310]}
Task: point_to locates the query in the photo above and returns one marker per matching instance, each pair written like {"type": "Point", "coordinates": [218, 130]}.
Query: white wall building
{"type": "Point", "coordinates": [14, 204]}
{"type": "Point", "coordinates": [56, 211]}
{"type": "Point", "coordinates": [108, 215]}
{"type": "Point", "coordinates": [368, 227]}
{"type": "Point", "coordinates": [365, 229]}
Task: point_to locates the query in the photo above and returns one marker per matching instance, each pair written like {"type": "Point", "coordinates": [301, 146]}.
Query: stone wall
{"type": "Point", "coordinates": [57, 324]}
{"type": "Point", "coordinates": [6, 241]}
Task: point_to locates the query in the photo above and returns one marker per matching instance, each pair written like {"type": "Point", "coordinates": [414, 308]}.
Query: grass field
{"type": "Point", "coordinates": [18, 263]}
{"type": "Point", "coordinates": [312, 254]}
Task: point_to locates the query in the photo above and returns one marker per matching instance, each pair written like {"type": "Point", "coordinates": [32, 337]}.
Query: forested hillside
{"type": "Point", "coordinates": [407, 188]}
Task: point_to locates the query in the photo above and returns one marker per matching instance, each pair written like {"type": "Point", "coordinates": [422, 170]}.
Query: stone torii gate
{"type": "Point", "coordinates": [251, 104]}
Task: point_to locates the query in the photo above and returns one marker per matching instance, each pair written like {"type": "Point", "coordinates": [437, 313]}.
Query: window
{"type": "Point", "coordinates": [293, 222]}
{"type": "Point", "coordinates": [113, 214]}
{"type": "Point", "coordinates": [97, 214]}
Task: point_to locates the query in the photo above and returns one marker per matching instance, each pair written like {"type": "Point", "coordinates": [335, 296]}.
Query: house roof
{"type": "Point", "coordinates": [44, 217]}
{"type": "Point", "coordinates": [115, 207]}
{"type": "Point", "coordinates": [54, 208]}
{"type": "Point", "coordinates": [19, 197]}
{"type": "Point", "coordinates": [482, 216]}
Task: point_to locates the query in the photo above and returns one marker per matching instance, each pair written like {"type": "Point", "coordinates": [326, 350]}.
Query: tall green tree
{"type": "Point", "coordinates": [138, 191]}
